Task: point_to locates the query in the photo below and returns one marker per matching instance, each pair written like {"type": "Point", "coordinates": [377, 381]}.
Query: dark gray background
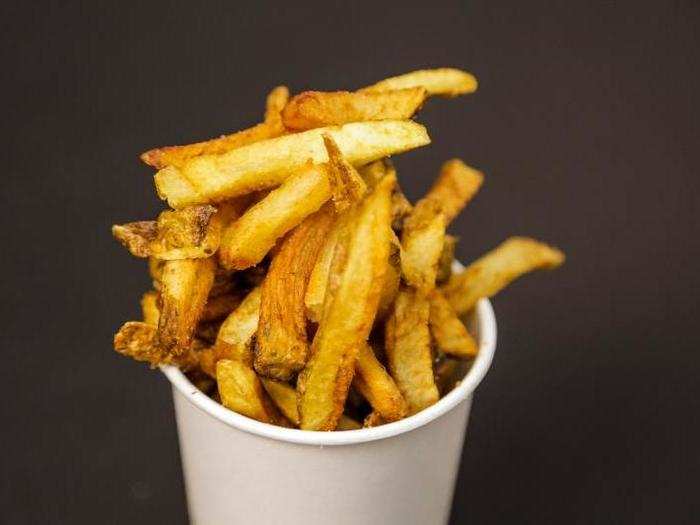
{"type": "Point", "coordinates": [586, 124]}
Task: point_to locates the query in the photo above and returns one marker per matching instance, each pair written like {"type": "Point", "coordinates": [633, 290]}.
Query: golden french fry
{"type": "Point", "coordinates": [449, 333]}
{"type": "Point", "coordinates": [392, 278]}
{"type": "Point", "coordinates": [407, 344]}
{"type": "Point", "coordinates": [492, 272]}
{"type": "Point", "coordinates": [247, 240]}
{"type": "Point", "coordinates": [377, 386]}
{"type": "Point", "coordinates": [447, 82]}
{"type": "Point", "coordinates": [348, 186]}
{"type": "Point", "coordinates": [314, 109]}
{"type": "Point", "coordinates": [241, 391]}
{"type": "Point", "coordinates": [190, 233]}
{"type": "Point", "coordinates": [447, 257]}
{"type": "Point", "coordinates": [213, 178]}
{"type": "Point", "coordinates": [149, 308]}
{"type": "Point", "coordinates": [272, 127]}
{"type": "Point", "coordinates": [185, 285]}
{"type": "Point", "coordinates": [423, 235]}
{"type": "Point", "coordinates": [284, 396]}
{"type": "Point", "coordinates": [374, 419]}
{"type": "Point", "coordinates": [348, 317]}
{"type": "Point", "coordinates": [282, 346]}
{"type": "Point", "coordinates": [347, 423]}
{"type": "Point", "coordinates": [236, 332]}
{"type": "Point", "coordinates": [138, 340]}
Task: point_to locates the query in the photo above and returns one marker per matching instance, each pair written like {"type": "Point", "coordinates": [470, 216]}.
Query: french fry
{"type": "Point", "coordinates": [185, 286]}
{"type": "Point", "coordinates": [190, 233]}
{"type": "Point", "coordinates": [149, 308]}
{"type": "Point", "coordinates": [489, 274]}
{"type": "Point", "coordinates": [236, 332]}
{"type": "Point", "coordinates": [246, 241]}
{"type": "Point", "coordinates": [282, 346]}
{"type": "Point", "coordinates": [213, 178]}
{"type": "Point", "coordinates": [318, 280]}
{"type": "Point", "coordinates": [423, 235]}
{"type": "Point", "coordinates": [348, 318]}
{"type": "Point", "coordinates": [449, 333]}
{"type": "Point", "coordinates": [241, 391]}
{"type": "Point", "coordinates": [314, 109]}
{"type": "Point", "coordinates": [374, 419]}
{"type": "Point", "coordinates": [392, 278]}
{"type": "Point", "coordinates": [272, 127]}
{"type": "Point", "coordinates": [446, 82]}
{"type": "Point", "coordinates": [447, 257]}
{"type": "Point", "coordinates": [138, 340]}
{"type": "Point", "coordinates": [348, 186]}
{"type": "Point", "coordinates": [407, 345]}
{"type": "Point", "coordinates": [377, 386]}
{"type": "Point", "coordinates": [284, 397]}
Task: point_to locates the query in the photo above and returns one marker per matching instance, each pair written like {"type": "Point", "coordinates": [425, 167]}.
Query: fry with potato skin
{"type": "Point", "coordinates": [272, 127]}
{"type": "Point", "coordinates": [407, 345]}
{"type": "Point", "coordinates": [282, 346]}
{"type": "Point", "coordinates": [246, 241]}
{"type": "Point", "coordinates": [377, 386]}
{"type": "Point", "coordinates": [455, 186]}
{"type": "Point", "coordinates": [213, 178]}
{"type": "Point", "coordinates": [314, 109]}
{"type": "Point", "coordinates": [348, 186]}
{"type": "Point", "coordinates": [185, 286]}
{"type": "Point", "coordinates": [446, 82]}
{"type": "Point", "coordinates": [138, 340]}
{"type": "Point", "coordinates": [351, 307]}
{"type": "Point", "coordinates": [492, 272]}
{"type": "Point", "coordinates": [449, 333]}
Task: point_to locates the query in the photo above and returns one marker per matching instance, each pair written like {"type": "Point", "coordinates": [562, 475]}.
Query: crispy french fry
{"type": "Point", "coordinates": [348, 317]}
{"type": "Point", "coordinates": [185, 287]}
{"type": "Point", "coordinates": [241, 391]}
{"type": "Point", "coordinates": [272, 127]}
{"type": "Point", "coordinates": [236, 332]}
{"type": "Point", "coordinates": [407, 344]}
{"type": "Point", "coordinates": [377, 386]}
{"type": "Point", "coordinates": [149, 308]}
{"type": "Point", "coordinates": [374, 172]}
{"type": "Point", "coordinates": [447, 82]}
{"type": "Point", "coordinates": [190, 233]}
{"type": "Point", "coordinates": [314, 109]}
{"type": "Point", "coordinates": [282, 346]}
{"type": "Point", "coordinates": [447, 257]}
{"type": "Point", "coordinates": [392, 278]}
{"type": "Point", "coordinates": [348, 186]}
{"type": "Point", "coordinates": [213, 178]}
{"type": "Point", "coordinates": [246, 241]}
{"type": "Point", "coordinates": [423, 235]}
{"type": "Point", "coordinates": [318, 280]}
{"type": "Point", "coordinates": [492, 272]}
{"type": "Point", "coordinates": [448, 331]}
{"type": "Point", "coordinates": [347, 423]}
{"type": "Point", "coordinates": [284, 396]}
{"type": "Point", "coordinates": [138, 340]}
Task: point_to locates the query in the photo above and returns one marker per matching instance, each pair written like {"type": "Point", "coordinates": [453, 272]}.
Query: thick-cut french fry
{"type": "Point", "coordinates": [423, 235]}
{"type": "Point", "coordinates": [348, 317]}
{"type": "Point", "coordinates": [149, 308]}
{"type": "Point", "coordinates": [241, 391]}
{"type": "Point", "coordinates": [185, 285]}
{"type": "Point", "coordinates": [236, 332]}
{"type": "Point", "coordinates": [246, 241]}
{"type": "Point", "coordinates": [447, 257]}
{"type": "Point", "coordinates": [377, 386]}
{"type": "Point", "coordinates": [272, 127]}
{"type": "Point", "coordinates": [448, 331]}
{"type": "Point", "coordinates": [190, 233]}
{"type": "Point", "coordinates": [348, 186]}
{"type": "Point", "coordinates": [407, 344]}
{"type": "Point", "coordinates": [213, 178]}
{"type": "Point", "coordinates": [138, 340]}
{"type": "Point", "coordinates": [318, 281]}
{"type": "Point", "coordinates": [447, 82]}
{"type": "Point", "coordinates": [282, 346]}
{"type": "Point", "coordinates": [219, 307]}
{"type": "Point", "coordinates": [492, 272]}
{"type": "Point", "coordinates": [314, 109]}
{"type": "Point", "coordinates": [284, 396]}
{"type": "Point", "coordinates": [347, 423]}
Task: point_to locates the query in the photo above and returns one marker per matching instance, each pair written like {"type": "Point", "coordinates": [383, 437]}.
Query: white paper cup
{"type": "Point", "coordinates": [238, 470]}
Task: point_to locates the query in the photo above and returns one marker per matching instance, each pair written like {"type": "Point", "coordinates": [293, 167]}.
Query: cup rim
{"type": "Point", "coordinates": [486, 322]}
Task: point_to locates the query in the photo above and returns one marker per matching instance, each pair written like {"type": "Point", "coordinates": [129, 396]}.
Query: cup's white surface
{"type": "Point", "coordinates": [238, 470]}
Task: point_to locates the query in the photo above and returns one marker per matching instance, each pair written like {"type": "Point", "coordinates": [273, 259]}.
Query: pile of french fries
{"type": "Point", "coordinates": [292, 279]}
